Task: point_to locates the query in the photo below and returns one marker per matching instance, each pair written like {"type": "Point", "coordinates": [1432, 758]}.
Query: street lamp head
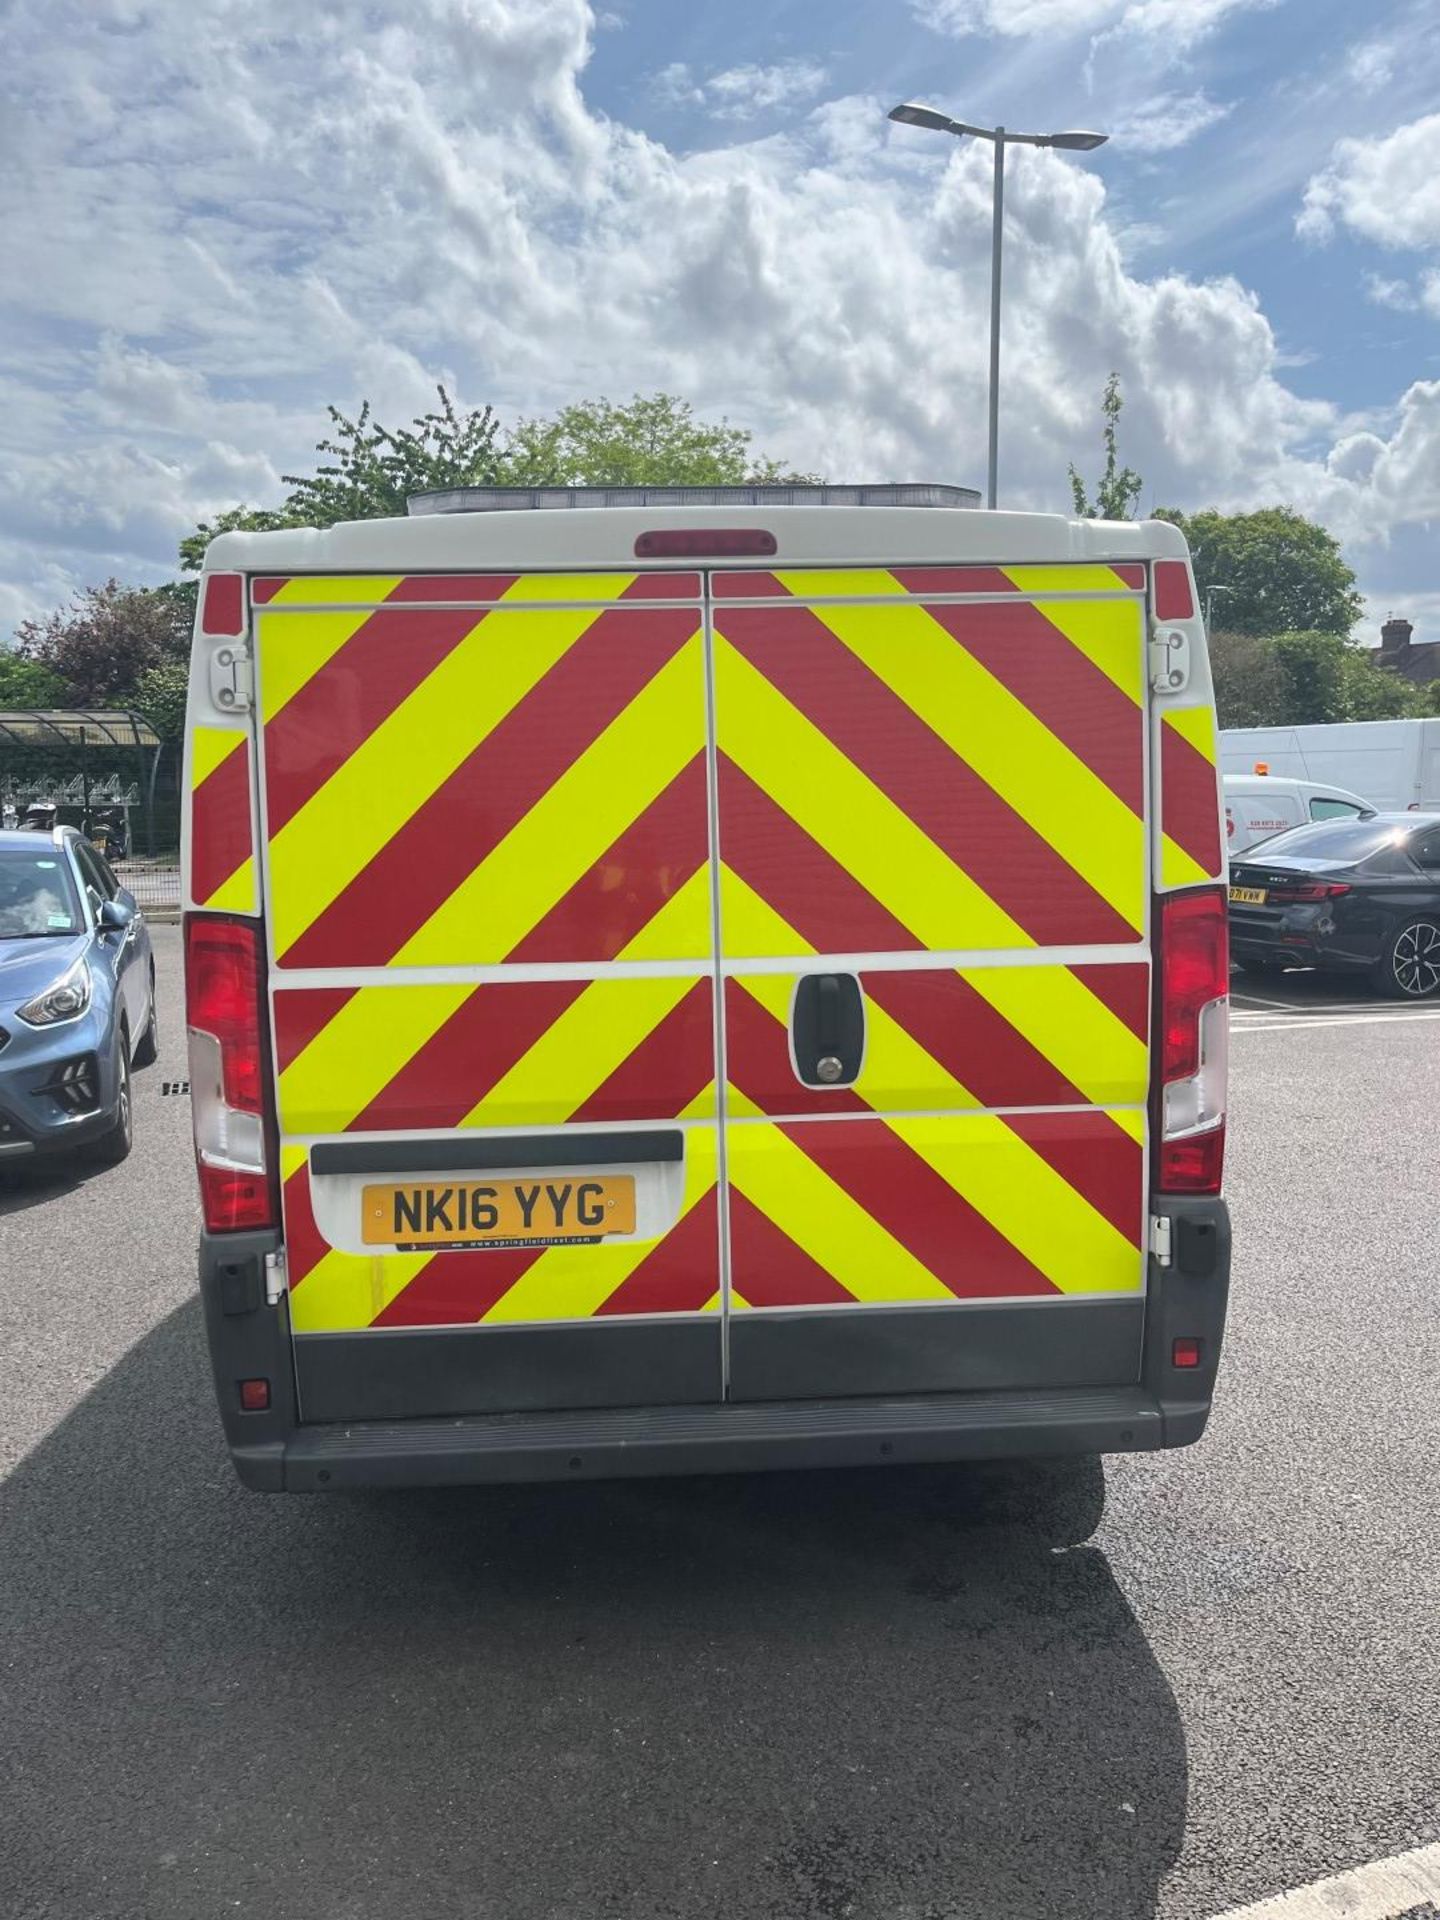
{"type": "Point", "coordinates": [910, 114]}
{"type": "Point", "coordinates": [1078, 142]}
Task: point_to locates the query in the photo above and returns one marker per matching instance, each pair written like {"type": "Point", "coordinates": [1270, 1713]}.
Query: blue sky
{"type": "Point", "coordinates": [220, 216]}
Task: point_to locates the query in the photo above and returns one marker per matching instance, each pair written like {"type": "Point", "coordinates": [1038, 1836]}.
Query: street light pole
{"type": "Point", "coordinates": [911, 114]}
{"type": "Point", "coordinates": [997, 232]}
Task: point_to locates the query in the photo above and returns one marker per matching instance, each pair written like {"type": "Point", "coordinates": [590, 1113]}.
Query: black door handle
{"type": "Point", "coordinates": [828, 1029]}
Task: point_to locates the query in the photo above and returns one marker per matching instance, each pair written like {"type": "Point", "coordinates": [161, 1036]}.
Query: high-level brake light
{"type": "Point", "coordinates": [696, 543]}
{"type": "Point", "coordinates": [224, 995]}
{"type": "Point", "coordinates": [1194, 1031]}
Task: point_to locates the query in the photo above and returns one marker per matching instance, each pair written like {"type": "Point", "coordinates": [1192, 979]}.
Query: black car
{"type": "Point", "coordinates": [1362, 896]}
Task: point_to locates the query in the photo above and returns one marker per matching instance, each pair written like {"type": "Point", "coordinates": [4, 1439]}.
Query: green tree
{"type": "Point", "coordinates": [99, 646]}
{"type": "Point", "coordinates": [1250, 685]}
{"type": "Point", "coordinates": [1275, 571]}
{"type": "Point", "coordinates": [1298, 679]}
{"type": "Point", "coordinates": [1118, 489]}
{"type": "Point", "coordinates": [160, 695]}
{"type": "Point", "coordinates": [652, 440]}
{"type": "Point", "coordinates": [25, 683]}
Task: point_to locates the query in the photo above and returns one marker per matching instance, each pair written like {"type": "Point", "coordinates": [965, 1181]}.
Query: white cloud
{"type": "Point", "coordinates": [1398, 295]}
{"type": "Point", "coordinates": [211, 233]}
{"type": "Point", "coordinates": [1182, 21]}
{"type": "Point", "coordinates": [1166, 121]}
{"type": "Point", "coordinates": [742, 93]}
{"type": "Point", "coordinates": [1386, 190]}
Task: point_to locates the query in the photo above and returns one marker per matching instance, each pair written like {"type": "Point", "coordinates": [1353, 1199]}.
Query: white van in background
{"type": "Point", "coordinates": [1394, 763]}
{"type": "Point", "coordinates": [1258, 805]}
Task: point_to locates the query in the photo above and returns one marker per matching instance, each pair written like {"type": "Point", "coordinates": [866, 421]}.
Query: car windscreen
{"type": "Point", "coordinates": [1335, 842]}
{"type": "Point", "coordinates": [37, 894]}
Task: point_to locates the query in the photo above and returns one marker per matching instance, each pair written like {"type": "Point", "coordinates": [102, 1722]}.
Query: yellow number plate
{"type": "Point", "coordinates": [498, 1213]}
{"type": "Point", "coordinates": [1248, 896]}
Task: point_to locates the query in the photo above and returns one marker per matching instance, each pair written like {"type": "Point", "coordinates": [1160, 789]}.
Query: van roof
{"type": "Point", "coordinates": [549, 537]}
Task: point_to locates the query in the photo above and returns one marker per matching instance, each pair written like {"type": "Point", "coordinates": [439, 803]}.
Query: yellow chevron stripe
{"type": "Point", "coordinates": [1077, 1033]}
{"type": "Point", "coordinates": [848, 815]}
{"type": "Point", "coordinates": [1068, 577]}
{"type": "Point", "coordinates": [848, 582]}
{"type": "Point", "coordinates": [237, 894]}
{"type": "Point", "coordinates": [1025, 1199]}
{"type": "Point", "coordinates": [1113, 646]}
{"type": "Point", "coordinates": [751, 925]}
{"type": "Point", "coordinates": [359, 1052]}
{"type": "Point", "coordinates": [573, 1283]}
{"type": "Point", "coordinates": [680, 929]}
{"type": "Point", "coordinates": [317, 854]}
{"type": "Point", "coordinates": [293, 647]}
{"type": "Point", "coordinates": [577, 820]}
{"type": "Point", "coordinates": [210, 747]}
{"type": "Point", "coordinates": [1178, 868]}
{"type": "Point", "coordinates": [1195, 724]}
{"type": "Point", "coordinates": [595, 1035]}
{"type": "Point", "coordinates": [822, 1218]}
{"type": "Point", "coordinates": [336, 589]}
{"type": "Point", "coordinates": [1005, 743]}
{"type": "Point", "coordinates": [536, 588]}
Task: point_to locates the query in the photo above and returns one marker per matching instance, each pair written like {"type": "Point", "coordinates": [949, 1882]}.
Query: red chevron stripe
{"type": "Point", "coordinates": [305, 1245]}
{"type": "Point", "coordinates": [747, 586]}
{"type": "Point", "coordinates": [493, 789]}
{"type": "Point", "coordinates": [1097, 1158]}
{"type": "Point", "coordinates": [769, 1270]}
{"type": "Point", "coordinates": [680, 1273]}
{"type": "Point", "coordinates": [905, 1194]}
{"type": "Point", "coordinates": [1067, 693]}
{"type": "Point", "coordinates": [923, 580]}
{"type": "Point", "coordinates": [823, 903]}
{"type": "Point", "coordinates": [672, 1065]}
{"type": "Point", "coordinates": [1125, 990]}
{"type": "Point", "coordinates": [341, 705]}
{"type": "Point", "coordinates": [220, 833]}
{"type": "Point", "coordinates": [631, 881]}
{"type": "Point", "coordinates": [457, 1289]}
{"type": "Point", "coordinates": [418, 588]}
{"type": "Point", "coordinates": [757, 1061]}
{"type": "Point", "coordinates": [964, 817]}
{"type": "Point", "coordinates": [300, 1014]}
{"type": "Point", "coordinates": [459, 1064]}
{"type": "Point", "coordinates": [1189, 799]}
{"type": "Point", "coordinates": [974, 1043]}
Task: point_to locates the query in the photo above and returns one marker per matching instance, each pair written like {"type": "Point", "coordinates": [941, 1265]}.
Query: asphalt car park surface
{"type": "Point", "coordinates": [893, 1696]}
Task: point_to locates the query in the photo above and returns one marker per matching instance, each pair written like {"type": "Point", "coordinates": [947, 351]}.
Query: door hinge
{"type": "Point", "coordinates": [232, 680]}
{"type": "Point", "coordinates": [1169, 659]}
{"type": "Point", "coordinates": [274, 1278]}
{"type": "Point", "coordinates": [1160, 1240]}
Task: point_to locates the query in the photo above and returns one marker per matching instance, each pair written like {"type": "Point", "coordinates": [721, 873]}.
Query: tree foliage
{"type": "Point", "coordinates": [1299, 679]}
{"type": "Point", "coordinates": [1118, 489]}
{"type": "Point", "coordinates": [651, 440]}
{"type": "Point", "coordinates": [98, 647]}
{"type": "Point", "coordinates": [1270, 572]}
{"type": "Point", "coordinates": [26, 683]}
{"type": "Point", "coordinates": [160, 694]}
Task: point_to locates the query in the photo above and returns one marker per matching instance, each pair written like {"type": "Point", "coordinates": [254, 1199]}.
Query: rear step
{"type": "Point", "coordinates": [734, 1438]}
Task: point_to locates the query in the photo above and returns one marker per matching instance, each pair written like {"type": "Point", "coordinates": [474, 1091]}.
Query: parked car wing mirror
{"type": "Point", "coordinates": [114, 916]}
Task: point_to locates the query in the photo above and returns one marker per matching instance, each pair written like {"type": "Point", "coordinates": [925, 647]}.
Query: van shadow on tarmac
{"type": "Point", "coordinates": [902, 1695]}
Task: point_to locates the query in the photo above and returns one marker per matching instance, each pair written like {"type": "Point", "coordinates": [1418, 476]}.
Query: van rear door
{"type": "Point", "coordinates": [935, 879]}
{"type": "Point", "coordinates": [487, 894]}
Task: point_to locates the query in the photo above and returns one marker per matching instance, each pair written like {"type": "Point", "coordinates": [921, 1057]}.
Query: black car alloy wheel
{"type": "Point", "coordinates": [1415, 959]}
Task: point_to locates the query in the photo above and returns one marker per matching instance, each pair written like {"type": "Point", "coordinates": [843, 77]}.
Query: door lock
{"type": "Point", "coordinates": [829, 1068]}
{"type": "Point", "coordinates": [827, 1029]}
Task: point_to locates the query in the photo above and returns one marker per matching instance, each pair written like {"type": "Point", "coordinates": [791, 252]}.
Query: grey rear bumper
{"type": "Point", "coordinates": [275, 1451]}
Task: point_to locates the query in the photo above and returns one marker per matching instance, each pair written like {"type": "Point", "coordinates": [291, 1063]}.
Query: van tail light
{"type": "Point", "coordinates": [1309, 891]}
{"type": "Point", "coordinates": [1194, 1032]}
{"type": "Point", "coordinates": [224, 996]}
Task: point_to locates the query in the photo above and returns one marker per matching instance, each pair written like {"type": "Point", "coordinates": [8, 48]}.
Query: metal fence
{"type": "Point", "coordinates": [155, 884]}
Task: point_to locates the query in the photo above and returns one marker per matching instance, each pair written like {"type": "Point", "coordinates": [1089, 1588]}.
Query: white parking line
{"type": "Point", "coordinates": [1341, 1020]}
{"type": "Point", "coordinates": [1385, 1890]}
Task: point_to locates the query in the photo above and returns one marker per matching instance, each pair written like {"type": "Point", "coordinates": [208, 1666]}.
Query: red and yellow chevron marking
{"type": "Point", "coordinates": [222, 851]}
{"type": "Point", "coordinates": [457, 787]}
{"type": "Point", "coordinates": [469, 589]}
{"type": "Point", "coordinates": [898, 775]}
{"type": "Point", "coordinates": [332, 1291]}
{"type": "Point", "coordinates": [1190, 845]}
{"type": "Point", "coordinates": [890, 582]}
{"type": "Point", "coordinates": [525, 1053]}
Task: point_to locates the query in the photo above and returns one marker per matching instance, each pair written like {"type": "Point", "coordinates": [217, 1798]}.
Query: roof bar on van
{"type": "Point", "coordinates": [508, 499]}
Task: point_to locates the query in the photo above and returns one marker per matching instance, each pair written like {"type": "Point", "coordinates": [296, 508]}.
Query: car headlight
{"type": "Point", "coordinates": [66, 1000]}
